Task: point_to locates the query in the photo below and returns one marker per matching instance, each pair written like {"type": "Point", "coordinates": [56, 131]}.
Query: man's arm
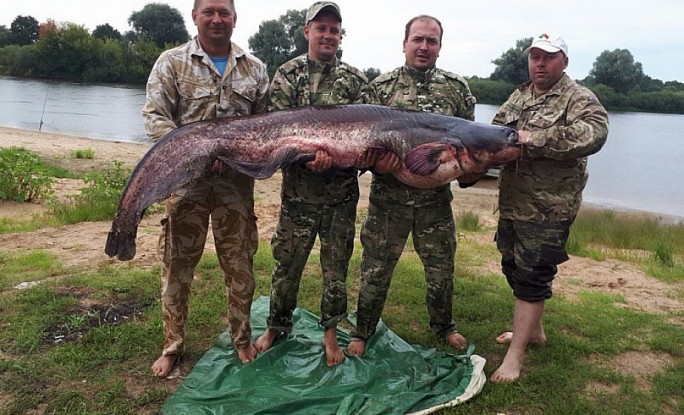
{"type": "Point", "coordinates": [162, 98]}
{"type": "Point", "coordinates": [584, 132]}
{"type": "Point", "coordinates": [466, 110]}
{"type": "Point", "coordinates": [261, 101]}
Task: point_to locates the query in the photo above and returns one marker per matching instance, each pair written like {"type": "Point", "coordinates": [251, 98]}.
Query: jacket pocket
{"type": "Point", "coordinates": [542, 120]}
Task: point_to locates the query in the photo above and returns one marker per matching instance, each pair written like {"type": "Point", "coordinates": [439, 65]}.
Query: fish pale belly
{"type": "Point", "coordinates": [445, 173]}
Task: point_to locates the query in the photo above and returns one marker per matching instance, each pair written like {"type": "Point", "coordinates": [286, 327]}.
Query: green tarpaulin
{"type": "Point", "coordinates": [292, 377]}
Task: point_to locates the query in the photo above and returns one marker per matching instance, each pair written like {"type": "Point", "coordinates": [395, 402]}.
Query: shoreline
{"type": "Point", "coordinates": [58, 146]}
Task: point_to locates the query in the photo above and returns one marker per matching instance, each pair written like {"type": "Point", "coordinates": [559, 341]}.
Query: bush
{"type": "Point", "coordinates": [24, 177]}
{"type": "Point", "coordinates": [8, 55]}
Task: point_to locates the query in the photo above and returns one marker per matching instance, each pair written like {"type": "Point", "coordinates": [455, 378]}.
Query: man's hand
{"type": "Point", "coordinates": [217, 167]}
{"type": "Point", "coordinates": [387, 163]}
{"type": "Point", "coordinates": [368, 158]}
{"type": "Point", "coordinates": [321, 163]}
{"type": "Point", "coordinates": [469, 179]}
{"type": "Point", "coordinates": [525, 138]}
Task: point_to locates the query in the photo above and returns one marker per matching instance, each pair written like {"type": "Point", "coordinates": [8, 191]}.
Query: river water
{"type": "Point", "coordinates": [97, 111]}
{"type": "Point", "coordinates": [637, 169]}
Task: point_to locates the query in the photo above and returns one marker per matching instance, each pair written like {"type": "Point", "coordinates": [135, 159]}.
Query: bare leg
{"type": "Point", "coordinates": [333, 353]}
{"type": "Point", "coordinates": [356, 347]}
{"type": "Point", "coordinates": [246, 354]}
{"type": "Point", "coordinates": [457, 341]}
{"type": "Point", "coordinates": [265, 341]}
{"type": "Point", "coordinates": [163, 365]}
{"type": "Point", "coordinates": [526, 326]}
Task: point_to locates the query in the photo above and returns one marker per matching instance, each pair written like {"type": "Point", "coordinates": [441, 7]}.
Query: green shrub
{"type": "Point", "coordinates": [24, 177]}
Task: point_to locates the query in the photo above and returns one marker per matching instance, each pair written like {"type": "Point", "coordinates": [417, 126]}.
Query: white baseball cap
{"type": "Point", "coordinates": [549, 43]}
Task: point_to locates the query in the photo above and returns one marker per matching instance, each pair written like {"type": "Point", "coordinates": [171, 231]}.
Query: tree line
{"type": "Point", "coordinates": [68, 51]}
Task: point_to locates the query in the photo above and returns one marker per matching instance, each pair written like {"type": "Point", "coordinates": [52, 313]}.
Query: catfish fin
{"type": "Point", "coordinates": [425, 159]}
{"type": "Point", "coordinates": [260, 171]}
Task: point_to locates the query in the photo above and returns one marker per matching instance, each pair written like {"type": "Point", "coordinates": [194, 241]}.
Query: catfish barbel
{"type": "Point", "coordinates": [434, 149]}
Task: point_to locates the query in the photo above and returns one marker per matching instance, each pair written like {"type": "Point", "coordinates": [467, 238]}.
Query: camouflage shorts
{"type": "Point", "coordinates": [530, 253]}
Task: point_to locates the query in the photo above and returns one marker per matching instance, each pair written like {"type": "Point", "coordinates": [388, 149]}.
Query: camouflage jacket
{"type": "Point", "coordinates": [301, 82]}
{"type": "Point", "coordinates": [568, 123]}
{"type": "Point", "coordinates": [185, 86]}
{"type": "Point", "coordinates": [435, 91]}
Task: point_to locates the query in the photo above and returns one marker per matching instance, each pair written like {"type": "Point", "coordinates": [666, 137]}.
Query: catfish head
{"type": "Point", "coordinates": [467, 149]}
{"type": "Point", "coordinates": [481, 146]}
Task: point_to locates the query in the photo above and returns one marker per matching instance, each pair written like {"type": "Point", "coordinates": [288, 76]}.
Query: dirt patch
{"type": "Point", "coordinates": [639, 365]}
{"type": "Point", "coordinates": [89, 314]}
{"type": "Point", "coordinates": [597, 388]}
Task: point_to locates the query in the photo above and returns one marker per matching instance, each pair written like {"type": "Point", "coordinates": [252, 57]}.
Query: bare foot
{"type": "Point", "coordinates": [163, 365]}
{"type": "Point", "coordinates": [265, 341]}
{"type": "Point", "coordinates": [333, 353]}
{"type": "Point", "coordinates": [509, 371]}
{"type": "Point", "coordinates": [507, 336]}
{"type": "Point", "coordinates": [356, 347]}
{"type": "Point", "coordinates": [247, 354]}
{"type": "Point", "coordinates": [456, 340]}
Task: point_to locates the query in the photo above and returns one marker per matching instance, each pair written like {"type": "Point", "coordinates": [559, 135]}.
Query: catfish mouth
{"type": "Point", "coordinates": [484, 156]}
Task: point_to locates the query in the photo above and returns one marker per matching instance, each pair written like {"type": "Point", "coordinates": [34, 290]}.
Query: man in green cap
{"type": "Point", "coordinates": [316, 200]}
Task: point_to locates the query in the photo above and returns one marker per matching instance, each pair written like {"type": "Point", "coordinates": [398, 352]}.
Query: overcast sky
{"type": "Point", "coordinates": [475, 31]}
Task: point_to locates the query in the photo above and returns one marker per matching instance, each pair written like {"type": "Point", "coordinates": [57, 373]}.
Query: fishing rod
{"type": "Point", "coordinates": [44, 103]}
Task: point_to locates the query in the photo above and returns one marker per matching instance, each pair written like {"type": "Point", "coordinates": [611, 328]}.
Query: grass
{"type": "Point", "coordinates": [36, 222]}
{"type": "Point", "coordinates": [658, 247]}
{"type": "Point", "coordinates": [107, 366]}
{"type": "Point", "coordinates": [61, 353]}
{"type": "Point", "coordinates": [468, 221]}
{"type": "Point", "coordinates": [97, 201]}
{"type": "Point", "coordinates": [87, 153]}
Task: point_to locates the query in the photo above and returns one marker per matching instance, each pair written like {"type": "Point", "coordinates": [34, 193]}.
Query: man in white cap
{"type": "Point", "coordinates": [560, 123]}
{"type": "Point", "coordinates": [316, 200]}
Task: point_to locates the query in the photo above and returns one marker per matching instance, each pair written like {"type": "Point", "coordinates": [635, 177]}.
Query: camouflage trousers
{"type": "Point", "coordinates": [181, 245]}
{"type": "Point", "coordinates": [530, 253]}
{"type": "Point", "coordinates": [383, 236]}
{"type": "Point", "coordinates": [298, 225]}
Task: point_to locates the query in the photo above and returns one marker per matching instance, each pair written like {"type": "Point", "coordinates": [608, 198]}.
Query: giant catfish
{"type": "Point", "coordinates": [435, 150]}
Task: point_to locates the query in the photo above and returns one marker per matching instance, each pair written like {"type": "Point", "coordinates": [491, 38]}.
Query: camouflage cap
{"type": "Point", "coordinates": [549, 43]}
{"type": "Point", "coordinates": [320, 6]}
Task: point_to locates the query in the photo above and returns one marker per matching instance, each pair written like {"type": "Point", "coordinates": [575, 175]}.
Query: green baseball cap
{"type": "Point", "coordinates": [320, 6]}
